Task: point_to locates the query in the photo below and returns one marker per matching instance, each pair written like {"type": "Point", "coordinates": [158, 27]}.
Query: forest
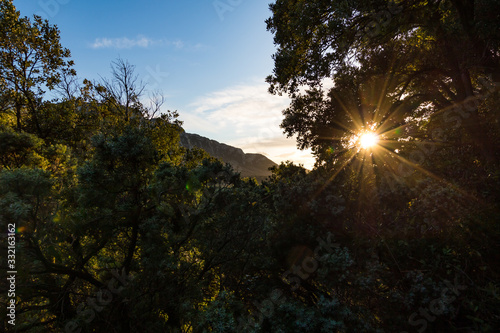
{"type": "Point", "coordinates": [110, 225]}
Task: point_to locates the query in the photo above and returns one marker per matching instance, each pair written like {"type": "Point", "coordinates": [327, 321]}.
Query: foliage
{"type": "Point", "coordinates": [120, 229]}
{"type": "Point", "coordinates": [31, 58]}
{"type": "Point", "coordinates": [388, 59]}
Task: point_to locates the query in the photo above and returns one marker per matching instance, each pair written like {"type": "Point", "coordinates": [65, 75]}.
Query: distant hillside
{"type": "Point", "coordinates": [249, 165]}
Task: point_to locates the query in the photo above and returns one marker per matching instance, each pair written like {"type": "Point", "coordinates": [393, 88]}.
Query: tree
{"type": "Point", "coordinates": [120, 229]}
{"type": "Point", "coordinates": [438, 51]}
{"type": "Point", "coordinates": [123, 91]}
{"type": "Point", "coordinates": [413, 72]}
{"type": "Point", "coordinates": [31, 60]}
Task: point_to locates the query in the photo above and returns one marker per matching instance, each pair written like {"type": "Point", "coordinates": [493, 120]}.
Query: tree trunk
{"type": "Point", "coordinates": [18, 117]}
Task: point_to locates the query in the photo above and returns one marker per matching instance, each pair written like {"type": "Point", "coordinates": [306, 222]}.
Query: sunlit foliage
{"type": "Point", "coordinates": [120, 229]}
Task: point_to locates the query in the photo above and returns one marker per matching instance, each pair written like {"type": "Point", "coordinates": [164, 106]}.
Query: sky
{"type": "Point", "coordinates": [209, 58]}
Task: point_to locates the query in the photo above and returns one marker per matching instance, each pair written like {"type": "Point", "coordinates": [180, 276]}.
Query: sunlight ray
{"type": "Point", "coordinates": [428, 173]}
{"type": "Point", "coordinates": [383, 96]}
{"type": "Point", "coordinates": [332, 177]}
{"type": "Point", "coordinates": [357, 122]}
{"type": "Point", "coordinates": [385, 126]}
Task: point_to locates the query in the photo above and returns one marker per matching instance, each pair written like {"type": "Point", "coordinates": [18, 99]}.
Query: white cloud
{"type": "Point", "coordinates": [123, 43]}
{"type": "Point", "coordinates": [178, 44]}
{"type": "Point", "coordinates": [141, 42]}
{"type": "Point", "coordinates": [247, 117]}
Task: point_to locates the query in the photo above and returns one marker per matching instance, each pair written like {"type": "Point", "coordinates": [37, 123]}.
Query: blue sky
{"type": "Point", "coordinates": [208, 57]}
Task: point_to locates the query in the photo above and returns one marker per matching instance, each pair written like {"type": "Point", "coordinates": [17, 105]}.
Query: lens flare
{"type": "Point", "coordinates": [368, 140]}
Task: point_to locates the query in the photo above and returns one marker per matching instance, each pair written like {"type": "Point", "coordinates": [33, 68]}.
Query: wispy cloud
{"type": "Point", "coordinates": [122, 43]}
{"type": "Point", "coordinates": [139, 42]}
{"type": "Point", "coordinates": [248, 117]}
{"type": "Point", "coordinates": [241, 109]}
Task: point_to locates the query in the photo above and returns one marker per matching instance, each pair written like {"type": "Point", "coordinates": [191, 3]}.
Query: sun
{"type": "Point", "coordinates": [368, 140]}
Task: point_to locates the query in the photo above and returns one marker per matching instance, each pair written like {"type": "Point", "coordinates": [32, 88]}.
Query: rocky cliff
{"type": "Point", "coordinates": [249, 165]}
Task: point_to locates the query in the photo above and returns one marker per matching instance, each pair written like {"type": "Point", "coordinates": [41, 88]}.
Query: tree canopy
{"type": "Point", "coordinates": [119, 228]}
{"type": "Point", "coordinates": [388, 61]}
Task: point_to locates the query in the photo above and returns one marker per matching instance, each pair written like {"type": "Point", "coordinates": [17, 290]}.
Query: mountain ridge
{"type": "Point", "coordinates": [247, 164]}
